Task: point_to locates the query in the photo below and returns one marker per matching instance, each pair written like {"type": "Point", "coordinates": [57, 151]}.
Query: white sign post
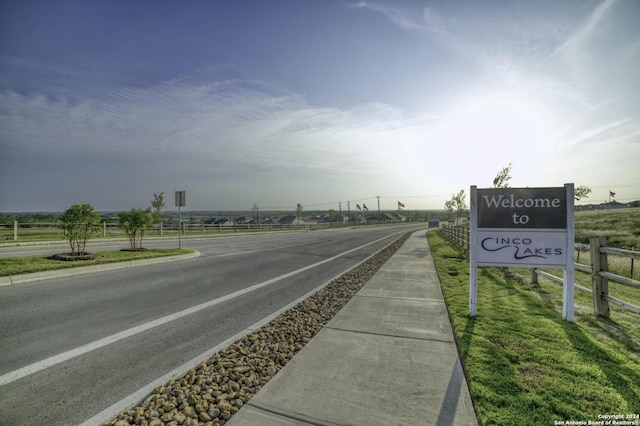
{"type": "Point", "coordinates": [180, 202]}
{"type": "Point", "coordinates": [525, 228]}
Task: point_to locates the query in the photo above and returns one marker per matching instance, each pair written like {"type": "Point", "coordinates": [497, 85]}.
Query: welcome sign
{"type": "Point", "coordinates": [522, 227]}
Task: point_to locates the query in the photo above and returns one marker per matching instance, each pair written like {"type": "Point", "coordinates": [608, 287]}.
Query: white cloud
{"type": "Point", "coordinates": [222, 133]}
{"type": "Point", "coordinates": [397, 16]}
{"type": "Point", "coordinates": [585, 31]}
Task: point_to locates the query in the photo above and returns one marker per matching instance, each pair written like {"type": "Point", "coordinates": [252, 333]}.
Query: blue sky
{"type": "Point", "coordinates": [313, 102]}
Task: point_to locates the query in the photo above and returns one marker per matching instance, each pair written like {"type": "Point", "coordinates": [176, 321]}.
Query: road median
{"type": "Point", "coordinates": [67, 272]}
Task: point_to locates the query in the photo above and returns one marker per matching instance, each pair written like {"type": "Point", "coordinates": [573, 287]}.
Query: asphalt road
{"type": "Point", "coordinates": [71, 348]}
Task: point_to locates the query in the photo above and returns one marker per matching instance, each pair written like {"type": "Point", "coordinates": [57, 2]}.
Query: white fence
{"type": "Point", "coordinates": [50, 231]}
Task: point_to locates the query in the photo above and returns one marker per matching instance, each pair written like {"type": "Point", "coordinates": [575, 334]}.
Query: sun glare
{"type": "Point", "coordinates": [491, 131]}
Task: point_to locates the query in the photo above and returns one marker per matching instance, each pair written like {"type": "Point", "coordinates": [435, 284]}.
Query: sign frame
{"type": "Point", "coordinates": [525, 228]}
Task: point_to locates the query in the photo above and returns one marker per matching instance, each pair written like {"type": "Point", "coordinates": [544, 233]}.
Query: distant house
{"type": "Point", "coordinates": [289, 219]}
{"type": "Point", "coordinates": [607, 205]}
{"type": "Point", "coordinates": [586, 207]}
{"type": "Point", "coordinates": [341, 218]}
{"type": "Point", "coordinates": [614, 205]}
{"type": "Point", "coordinates": [313, 219]}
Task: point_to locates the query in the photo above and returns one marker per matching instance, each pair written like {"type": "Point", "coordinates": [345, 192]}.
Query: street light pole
{"type": "Point", "coordinates": [180, 202]}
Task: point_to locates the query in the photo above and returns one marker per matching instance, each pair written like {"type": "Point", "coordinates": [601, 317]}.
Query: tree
{"type": "Point", "coordinates": [256, 212]}
{"type": "Point", "coordinates": [134, 223]}
{"type": "Point", "coordinates": [299, 209]}
{"type": "Point", "coordinates": [581, 191]}
{"type": "Point", "coordinates": [449, 205]}
{"type": "Point", "coordinates": [332, 215]}
{"type": "Point", "coordinates": [79, 222]}
{"type": "Point", "coordinates": [503, 177]}
{"type": "Point", "coordinates": [460, 203]}
{"type": "Point", "coordinates": [7, 218]}
{"type": "Point", "coordinates": [157, 204]}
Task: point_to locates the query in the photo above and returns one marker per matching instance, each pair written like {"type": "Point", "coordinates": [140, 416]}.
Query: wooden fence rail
{"type": "Point", "coordinates": [457, 236]}
{"type": "Point", "coordinates": [599, 269]}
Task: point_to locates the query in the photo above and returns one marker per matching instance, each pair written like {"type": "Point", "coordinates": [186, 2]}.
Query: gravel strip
{"type": "Point", "coordinates": [212, 392]}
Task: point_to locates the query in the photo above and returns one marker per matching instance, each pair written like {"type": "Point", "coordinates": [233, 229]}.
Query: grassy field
{"type": "Point", "coordinates": [22, 265]}
{"type": "Point", "coordinates": [524, 364]}
{"type": "Point", "coordinates": [621, 227]}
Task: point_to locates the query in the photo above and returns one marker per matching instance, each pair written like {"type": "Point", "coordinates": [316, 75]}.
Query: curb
{"type": "Point", "coordinates": [59, 273]}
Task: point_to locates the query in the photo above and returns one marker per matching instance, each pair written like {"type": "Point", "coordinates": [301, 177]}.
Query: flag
{"type": "Point", "coordinates": [400, 205]}
{"type": "Point", "coordinates": [612, 194]}
{"type": "Point", "coordinates": [358, 207]}
{"type": "Point", "coordinates": [364, 207]}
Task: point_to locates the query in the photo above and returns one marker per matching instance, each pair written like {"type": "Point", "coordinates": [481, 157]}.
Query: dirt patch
{"type": "Point", "coordinates": [530, 375]}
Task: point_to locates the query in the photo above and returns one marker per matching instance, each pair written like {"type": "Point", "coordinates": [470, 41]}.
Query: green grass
{"type": "Point", "coordinates": [524, 364]}
{"type": "Point", "coordinates": [28, 264]}
{"type": "Point", "coordinates": [621, 227]}
{"type": "Point", "coordinates": [619, 265]}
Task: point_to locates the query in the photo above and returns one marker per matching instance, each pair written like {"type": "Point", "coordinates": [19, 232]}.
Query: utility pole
{"type": "Point", "coordinates": [348, 211]}
{"type": "Point", "coordinates": [340, 210]}
{"type": "Point", "coordinates": [378, 197]}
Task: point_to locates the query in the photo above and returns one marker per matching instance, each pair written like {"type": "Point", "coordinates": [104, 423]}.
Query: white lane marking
{"type": "Point", "coordinates": [268, 249]}
{"type": "Point", "coordinates": [136, 397]}
{"type": "Point", "coordinates": [65, 356]}
{"type": "Point", "coordinates": [133, 399]}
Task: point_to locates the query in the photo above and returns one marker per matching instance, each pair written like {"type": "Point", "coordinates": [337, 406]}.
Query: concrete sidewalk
{"type": "Point", "coordinates": [387, 358]}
